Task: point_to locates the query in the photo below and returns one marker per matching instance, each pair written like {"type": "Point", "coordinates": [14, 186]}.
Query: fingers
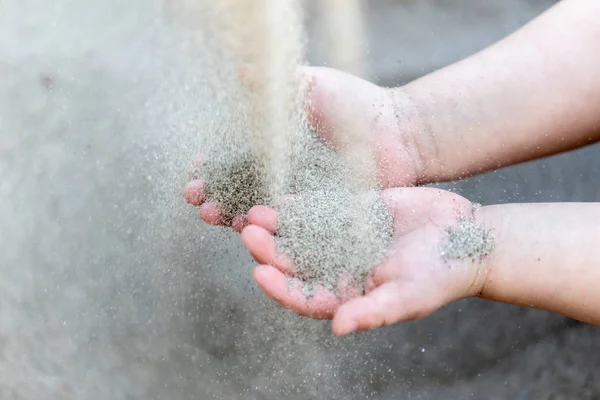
{"type": "Point", "coordinates": [212, 214]}
{"type": "Point", "coordinates": [261, 216]}
{"type": "Point", "coordinates": [348, 288]}
{"type": "Point", "coordinates": [261, 246]}
{"type": "Point", "coordinates": [195, 193]}
{"type": "Point", "coordinates": [264, 217]}
{"type": "Point", "coordinates": [239, 222]}
{"type": "Point", "coordinates": [384, 306]}
{"type": "Point", "coordinates": [289, 293]}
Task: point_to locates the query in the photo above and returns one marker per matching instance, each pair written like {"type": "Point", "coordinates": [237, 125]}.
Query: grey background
{"type": "Point", "coordinates": [110, 288]}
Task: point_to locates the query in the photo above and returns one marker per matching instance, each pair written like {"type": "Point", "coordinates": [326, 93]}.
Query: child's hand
{"type": "Point", "coordinates": [387, 112]}
{"type": "Point", "coordinates": [415, 280]}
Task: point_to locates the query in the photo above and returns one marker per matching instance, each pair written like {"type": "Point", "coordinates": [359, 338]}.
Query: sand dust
{"type": "Point", "coordinates": [262, 147]}
{"type": "Point", "coordinates": [467, 239]}
{"type": "Point", "coordinates": [343, 23]}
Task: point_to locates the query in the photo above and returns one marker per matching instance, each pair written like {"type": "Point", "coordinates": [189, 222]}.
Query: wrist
{"type": "Point", "coordinates": [481, 269]}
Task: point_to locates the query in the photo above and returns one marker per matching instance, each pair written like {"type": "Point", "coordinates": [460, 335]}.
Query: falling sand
{"type": "Point", "coordinates": [260, 149]}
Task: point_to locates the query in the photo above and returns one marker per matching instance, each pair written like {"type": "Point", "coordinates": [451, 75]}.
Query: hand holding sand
{"type": "Point", "coordinates": [384, 110]}
{"type": "Point", "coordinates": [453, 124]}
{"type": "Point", "coordinates": [434, 258]}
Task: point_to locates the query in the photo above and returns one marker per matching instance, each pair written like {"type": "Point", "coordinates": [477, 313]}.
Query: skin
{"type": "Point", "coordinates": [546, 257]}
{"type": "Point", "coordinates": [533, 94]}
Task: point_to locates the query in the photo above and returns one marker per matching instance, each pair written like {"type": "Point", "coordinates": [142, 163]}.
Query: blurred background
{"type": "Point", "coordinates": [111, 288]}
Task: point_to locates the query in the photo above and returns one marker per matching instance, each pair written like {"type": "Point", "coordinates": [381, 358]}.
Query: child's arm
{"type": "Point", "coordinates": [546, 256]}
{"type": "Point", "coordinates": [533, 94]}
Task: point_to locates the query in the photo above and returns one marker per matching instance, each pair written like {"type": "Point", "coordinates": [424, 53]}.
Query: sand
{"type": "Point", "coordinates": [335, 224]}
{"type": "Point", "coordinates": [261, 150]}
{"type": "Point", "coordinates": [328, 229]}
{"type": "Point", "coordinates": [344, 19]}
{"type": "Point", "coordinates": [467, 240]}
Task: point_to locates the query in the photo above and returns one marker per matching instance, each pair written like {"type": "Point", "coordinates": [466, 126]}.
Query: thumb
{"type": "Point", "coordinates": [390, 303]}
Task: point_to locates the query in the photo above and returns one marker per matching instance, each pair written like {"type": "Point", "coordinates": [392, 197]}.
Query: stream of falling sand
{"type": "Point", "coordinates": [264, 149]}
{"type": "Point", "coordinates": [343, 22]}
{"type": "Point", "coordinates": [255, 31]}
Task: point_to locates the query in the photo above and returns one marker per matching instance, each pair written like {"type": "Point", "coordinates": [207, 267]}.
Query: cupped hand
{"type": "Point", "coordinates": [337, 100]}
{"type": "Point", "coordinates": [414, 280]}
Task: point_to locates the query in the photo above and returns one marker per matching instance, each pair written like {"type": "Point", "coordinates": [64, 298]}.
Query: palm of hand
{"type": "Point", "coordinates": [394, 154]}
{"type": "Point", "coordinates": [411, 283]}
